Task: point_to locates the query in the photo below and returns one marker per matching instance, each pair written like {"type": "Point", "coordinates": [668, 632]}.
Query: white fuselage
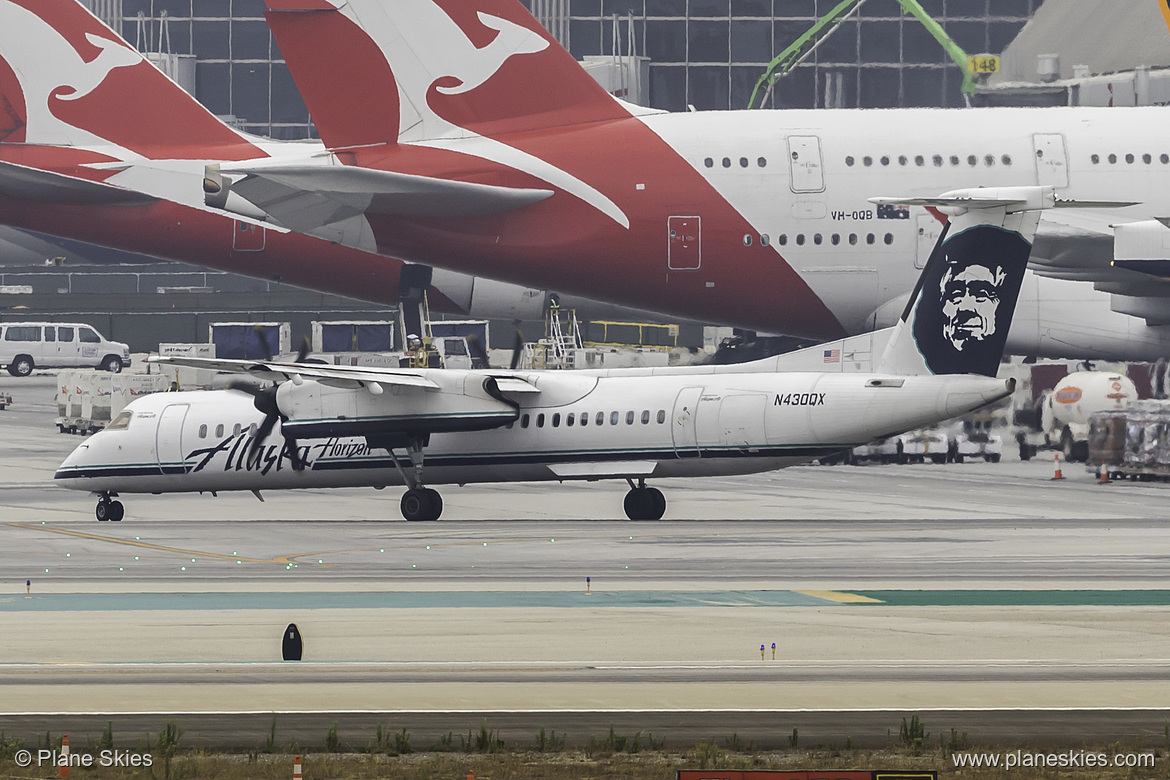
{"type": "Point", "coordinates": [634, 426]}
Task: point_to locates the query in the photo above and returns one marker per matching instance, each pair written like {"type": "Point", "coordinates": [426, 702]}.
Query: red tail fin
{"type": "Point", "coordinates": [74, 82]}
{"type": "Point", "coordinates": [431, 67]}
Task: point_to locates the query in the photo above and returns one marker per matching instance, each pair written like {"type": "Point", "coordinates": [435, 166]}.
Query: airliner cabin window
{"type": "Point", "coordinates": [202, 431]}
{"type": "Point", "coordinates": [629, 418]}
{"type": "Point", "coordinates": [556, 421]}
{"type": "Point", "coordinates": [646, 417]}
{"type": "Point", "coordinates": [709, 162]}
{"type": "Point", "coordinates": [236, 429]}
{"type": "Point", "coordinates": [849, 161]}
{"type": "Point", "coordinates": [540, 420]}
{"type": "Point", "coordinates": [569, 420]}
{"type": "Point", "coordinates": [219, 431]}
{"type": "Point", "coordinates": [524, 421]}
{"type": "Point", "coordinates": [584, 418]}
{"type": "Point", "coordinates": [661, 416]}
{"type": "Point", "coordinates": [614, 417]}
{"type": "Point", "coordinates": [600, 420]}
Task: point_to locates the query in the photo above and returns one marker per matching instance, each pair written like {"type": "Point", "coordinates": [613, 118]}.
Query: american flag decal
{"type": "Point", "coordinates": [832, 356]}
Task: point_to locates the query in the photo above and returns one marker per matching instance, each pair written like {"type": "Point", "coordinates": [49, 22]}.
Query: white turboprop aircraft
{"type": "Point", "coordinates": [350, 426]}
{"type": "Point", "coordinates": [756, 219]}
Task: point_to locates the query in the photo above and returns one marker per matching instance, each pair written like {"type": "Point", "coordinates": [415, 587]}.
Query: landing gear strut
{"type": "Point", "coordinates": [108, 508]}
{"type": "Point", "coordinates": [644, 503]}
{"type": "Point", "coordinates": [418, 502]}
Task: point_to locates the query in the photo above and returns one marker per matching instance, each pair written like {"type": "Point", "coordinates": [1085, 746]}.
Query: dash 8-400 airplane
{"type": "Point", "coordinates": [339, 426]}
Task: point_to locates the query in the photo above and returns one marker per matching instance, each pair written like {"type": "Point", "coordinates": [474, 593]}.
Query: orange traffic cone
{"type": "Point", "coordinates": [63, 766]}
{"type": "Point", "coordinates": [1056, 464]}
{"type": "Point", "coordinates": [297, 768]}
{"type": "Point", "coordinates": [1104, 474]}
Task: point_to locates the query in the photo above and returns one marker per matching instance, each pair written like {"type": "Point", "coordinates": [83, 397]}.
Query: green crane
{"type": "Point", "coordinates": [807, 43]}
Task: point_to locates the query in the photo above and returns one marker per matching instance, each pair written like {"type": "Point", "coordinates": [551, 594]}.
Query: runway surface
{"type": "Point", "coordinates": [985, 594]}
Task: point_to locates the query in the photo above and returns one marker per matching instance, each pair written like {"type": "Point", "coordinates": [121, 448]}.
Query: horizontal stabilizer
{"type": "Point", "coordinates": [305, 197]}
{"type": "Point", "coordinates": [21, 181]}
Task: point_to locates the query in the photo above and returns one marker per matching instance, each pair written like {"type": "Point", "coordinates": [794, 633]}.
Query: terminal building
{"type": "Point", "coordinates": [701, 54]}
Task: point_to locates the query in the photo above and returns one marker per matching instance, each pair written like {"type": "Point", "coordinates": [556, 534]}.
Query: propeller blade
{"type": "Point", "coordinates": [303, 352]}
{"type": "Point", "coordinates": [517, 349]}
{"type": "Point", "coordinates": [259, 331]}
{"type": "Point", "coordinates": [479, 355]}
{"type": "Point", "coordinates": [245, 387]}
{"type": "Point", "coordinates": [294, 453]}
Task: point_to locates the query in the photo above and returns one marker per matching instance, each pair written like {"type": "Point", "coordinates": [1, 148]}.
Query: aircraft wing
{"type": "Point", "coordinates": [277, 371]}
{"type": "Point", "coordinates": [306, 197]}
{"type": "Point", "coordinates": [1128, 259]}
{"type": "Point", "coordinates": [22, 181]}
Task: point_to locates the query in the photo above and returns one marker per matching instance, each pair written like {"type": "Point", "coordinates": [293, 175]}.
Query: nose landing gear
{"type": "Point", "coordinates": [108, 508]}
{"type": "Point", "coordinates": [644, 503]}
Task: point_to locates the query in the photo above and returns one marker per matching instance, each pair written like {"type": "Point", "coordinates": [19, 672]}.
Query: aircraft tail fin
{"type": "Point", "coordinates": [373, 72]}
{"type": "Point", "coordinates": [66, 79]}
{"type": "Point", "coordinates": [958, 316]}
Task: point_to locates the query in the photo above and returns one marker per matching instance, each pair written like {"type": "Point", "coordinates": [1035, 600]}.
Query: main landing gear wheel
{"type": "Point", "coordinates": [421, 504]}
{"type": "Point", "coordinates": [109, 509]}
{"type": "Point", "coordinates": [645, 503]}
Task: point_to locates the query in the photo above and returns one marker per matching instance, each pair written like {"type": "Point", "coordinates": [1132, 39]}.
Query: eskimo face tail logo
{"type": "Point", "coordinates": [967, 300]}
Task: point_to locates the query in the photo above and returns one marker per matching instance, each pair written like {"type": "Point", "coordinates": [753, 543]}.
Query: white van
{"type": "Point", "coordinates": [28, 345]}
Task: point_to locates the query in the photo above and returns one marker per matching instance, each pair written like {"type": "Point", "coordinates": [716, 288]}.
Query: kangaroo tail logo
{"type": "Point", "coordinates": [512, 39]}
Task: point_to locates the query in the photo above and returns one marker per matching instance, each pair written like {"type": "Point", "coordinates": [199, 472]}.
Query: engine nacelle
{"type": "Point", "coordinates": [463, 402]}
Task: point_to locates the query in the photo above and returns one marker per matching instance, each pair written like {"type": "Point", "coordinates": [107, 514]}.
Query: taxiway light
{"type": "Point", "coordinates": [382, 550]}
{"type": "Point", "coordinates": [192, 560]}
{"type": "Point", "coordinates": [121, 569]}
{"type": "Point", "coordinates": [428, 547]}
{"type": "Point", "coordinates": [46, 571]}
{"type": "Point", "coordinates": [135, 557]}
{"type": "Point", "coordinates": [320, 561]}
{"type": "Point", "coordinates": [68, 554]}
{"type": "Point", "coordinates": [485, 544]}
{"type": "Point", "coordinates": [184, 568]}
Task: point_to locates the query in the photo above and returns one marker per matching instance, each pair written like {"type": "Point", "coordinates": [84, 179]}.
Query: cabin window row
{"type": "Point", "coordinates": [743, 162]}
{"type": "Point", "coordinates": [853, 238]}
{"type": "Point", "coordinates": [236, 429]}
{"type": "Point", "coordinates": [937, 160]}
{"type": "Point", "coordinates": [587, 418]}
{"type": "Point", "coordinates": [1130, 159]}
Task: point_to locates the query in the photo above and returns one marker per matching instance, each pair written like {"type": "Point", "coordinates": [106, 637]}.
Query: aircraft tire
{"type": "Point", "coordinates": [658, 502]}
{"type": "Point", "coordinates": [644, 504]}
{"type": "Point", "coordinates": [421, 504]}
{"type": "Point", "coordinates": [436, 503]}
{"type": "Point", "coordinates": [117, 511]}
{"type": "Point", "coordinates": [102, 512]}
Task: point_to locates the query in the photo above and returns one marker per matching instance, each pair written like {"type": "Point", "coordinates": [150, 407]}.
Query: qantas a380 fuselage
{"type": "Point", "coordinates": [758, 219]}
{"type": "Point", "coordinates": [761, 218]}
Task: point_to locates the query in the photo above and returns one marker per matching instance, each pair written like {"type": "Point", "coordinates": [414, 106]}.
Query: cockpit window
{"type": "Point", "coordinates": [121, 422]}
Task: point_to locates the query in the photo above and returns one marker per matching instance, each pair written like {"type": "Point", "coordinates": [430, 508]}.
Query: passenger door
{"type": "Point", "coordinates": [1051, 159]}
{"type": "Point", "coordinates": [682, 422]}
{"type": "Point", "coordinates": [684, 247]}
{"type": "Point", "coordinates": [169, 439]}
{"type": "Point", "coordinates": [804, 160]}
